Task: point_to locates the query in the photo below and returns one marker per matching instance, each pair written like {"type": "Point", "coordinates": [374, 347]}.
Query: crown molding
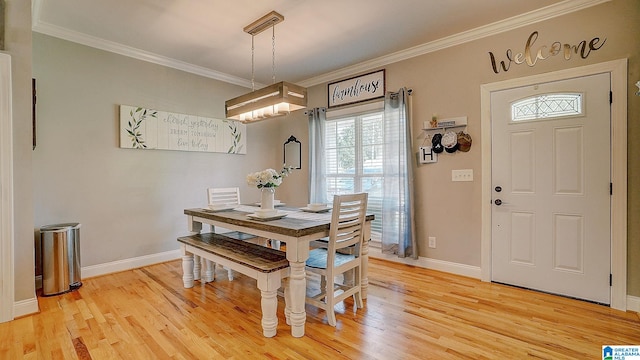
{"type": "Point", "coordinates": [102, 44]}
{"type": "Point", "coordinates": [532, 17]}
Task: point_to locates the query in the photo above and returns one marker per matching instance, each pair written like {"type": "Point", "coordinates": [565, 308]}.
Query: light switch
{"type": "Point", "coordinates": [462, 175]}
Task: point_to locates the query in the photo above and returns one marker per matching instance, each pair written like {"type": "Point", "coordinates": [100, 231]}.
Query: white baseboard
{"type": "Point", "coordinates": [25, 307]}
{"type": "Point", "coordinates": [30, 306]}
{"type": "Point", "coordinates": [440, 265]}
{"type": "Point", "coordinates": [128, 264]}
{"type": "Point", "coordinates": [633, 303]}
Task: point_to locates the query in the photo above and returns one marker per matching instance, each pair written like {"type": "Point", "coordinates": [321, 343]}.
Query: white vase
{"type": "Point", "coordinates": [268, 194]}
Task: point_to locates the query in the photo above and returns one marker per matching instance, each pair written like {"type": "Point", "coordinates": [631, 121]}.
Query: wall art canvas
{"type": "Point", "coordinates": [142, 128]}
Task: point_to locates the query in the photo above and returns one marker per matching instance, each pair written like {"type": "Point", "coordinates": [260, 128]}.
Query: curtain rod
{"type": "Point", "coordinates": [395, 93]}
{"type": "Point", "coordinates": [307, 112]}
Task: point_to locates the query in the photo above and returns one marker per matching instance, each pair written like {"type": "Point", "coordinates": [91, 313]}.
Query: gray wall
{"type": "Point", "coordinates": [129, 202]}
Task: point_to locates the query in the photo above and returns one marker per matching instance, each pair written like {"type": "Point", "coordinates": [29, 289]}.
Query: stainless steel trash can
{"type": "Point", "coordinates": [60, 252]}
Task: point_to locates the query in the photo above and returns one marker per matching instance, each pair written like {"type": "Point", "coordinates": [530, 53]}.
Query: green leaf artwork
{"type": "Point", "coordinates": [137, 117]}
{"type": "Point", "coordinates": [236, 135]}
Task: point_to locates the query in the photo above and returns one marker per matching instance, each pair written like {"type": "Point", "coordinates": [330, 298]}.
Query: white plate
{"type": "Point", "coordinates": [260, 218]}
{"type": "Point", "coordinates": [315, 210]}
{"type": "Point", "coordinates": [274, 205]}
{"type": "Point", "coordinates": [220, 208]}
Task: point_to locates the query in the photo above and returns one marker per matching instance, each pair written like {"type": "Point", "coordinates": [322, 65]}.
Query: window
{"type": "Point", "coordinates": [547, 106]}
{"type": "Point", "coordinates": [354, 146]}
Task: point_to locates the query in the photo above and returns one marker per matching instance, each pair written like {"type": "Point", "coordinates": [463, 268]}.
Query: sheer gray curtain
{"type": "Point", "coordinates": [398, 225]}
{"type": "Point", "coordinates": [317, 181]}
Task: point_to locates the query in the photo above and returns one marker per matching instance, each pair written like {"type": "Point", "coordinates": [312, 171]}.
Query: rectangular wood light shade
{"type": "Point", "coordinates": [274, 100]}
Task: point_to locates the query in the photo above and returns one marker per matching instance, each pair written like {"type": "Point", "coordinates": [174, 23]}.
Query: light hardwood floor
{"type": "Point", "coordinates": [411, 313]}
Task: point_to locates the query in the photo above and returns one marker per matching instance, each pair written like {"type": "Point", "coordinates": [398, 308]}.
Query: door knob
{"type": "Point", "coordinates": [498, 188]}
{"type": "Point", "coordinates": [498, 202]}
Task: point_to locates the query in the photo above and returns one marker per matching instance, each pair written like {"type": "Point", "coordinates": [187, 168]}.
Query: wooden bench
{"type": "Point", "coordinates": [267, 266]}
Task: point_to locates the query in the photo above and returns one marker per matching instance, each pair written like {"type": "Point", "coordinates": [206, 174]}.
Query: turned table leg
{"type": "Point", "coordinates": [187, 268]}
{"type": "Point", "coordinates": [287, 300]}
{"type": "Point", "coordinates": [365, 259]}
{"type": "Point", "coordinates": [297, 293]}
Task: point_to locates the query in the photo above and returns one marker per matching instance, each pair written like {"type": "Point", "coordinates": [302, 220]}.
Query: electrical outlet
{"type": "Point", "coordinates": [432, 242]}
{"type": "Point", "coordinates": [462, 175]}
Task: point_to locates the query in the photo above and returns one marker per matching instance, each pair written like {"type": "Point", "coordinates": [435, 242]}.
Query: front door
{"type": "Point", "coordinates": [551, 187]}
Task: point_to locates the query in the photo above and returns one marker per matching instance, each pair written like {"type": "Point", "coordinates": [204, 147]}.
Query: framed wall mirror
{"type": "Point", "coordinates": [293, 153]}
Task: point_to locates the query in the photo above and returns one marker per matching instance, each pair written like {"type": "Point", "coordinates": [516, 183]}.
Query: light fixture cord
{"type": "Point", "coordinates": [253, 82]}
{"type": "Point", "coordinates": [273, 45]}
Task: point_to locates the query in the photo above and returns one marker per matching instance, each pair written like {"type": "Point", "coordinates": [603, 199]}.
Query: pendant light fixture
{"type": "Point", "coordinates": [276, 99]}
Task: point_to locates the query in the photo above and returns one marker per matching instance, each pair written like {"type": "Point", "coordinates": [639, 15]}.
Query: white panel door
{"type": "Point", "coordinates": [551, 187]}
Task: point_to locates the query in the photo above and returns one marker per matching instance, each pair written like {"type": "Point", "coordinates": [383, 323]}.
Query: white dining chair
{"type": "Point", "coordinates": [231, 196]}
{"type": "Point", "coordinates": [221, 197]}
{"type": "Point", "coordinates": [341, 255]}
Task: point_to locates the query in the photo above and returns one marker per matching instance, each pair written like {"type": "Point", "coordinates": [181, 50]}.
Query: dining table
{"type": "Point", "coordinates": [296, 227]}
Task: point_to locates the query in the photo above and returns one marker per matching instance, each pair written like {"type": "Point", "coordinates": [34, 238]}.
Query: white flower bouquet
{"type": "Point", "coordinates": [268, 177]}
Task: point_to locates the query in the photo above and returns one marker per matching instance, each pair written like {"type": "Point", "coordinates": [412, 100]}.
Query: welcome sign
{"type": "Point", "coordinates": [532, 53]}
{"type": "Point", "coordinates": [357, 89]}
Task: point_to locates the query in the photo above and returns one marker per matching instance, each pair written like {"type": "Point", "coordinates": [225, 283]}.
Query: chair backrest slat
{"type": "Point", "coordinates": [347, 222]}
{"type": "Point", "coordinates": [221, 196]}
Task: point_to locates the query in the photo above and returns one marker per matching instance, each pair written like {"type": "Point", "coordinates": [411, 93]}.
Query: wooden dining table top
{"type": "Point", "coordinates": [297, 223]}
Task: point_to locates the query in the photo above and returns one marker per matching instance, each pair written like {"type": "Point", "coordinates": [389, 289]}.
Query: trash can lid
{"type": "Point", "coordinates": [60, 227]}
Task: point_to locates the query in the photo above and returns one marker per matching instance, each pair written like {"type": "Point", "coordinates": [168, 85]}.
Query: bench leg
{"type": "Point", "coordinates": [187, 269]}
{"type": "Point", "coordinates": [209, 274]}
{"type": "Point", "coordinates": [274, 244]}
{"type": "Point", "coordinates": [197, 266]}
{"type": "Point", "coordinates": [229, 273]}
{"type": "Point", "coordinates": [269, 285]}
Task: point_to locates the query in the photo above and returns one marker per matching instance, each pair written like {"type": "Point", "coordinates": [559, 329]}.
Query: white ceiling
{"type": "Point", "coordinates": [319, 40]}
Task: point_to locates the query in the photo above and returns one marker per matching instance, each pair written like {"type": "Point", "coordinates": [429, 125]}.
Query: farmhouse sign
{"type": "Point", "coordinates": [532, 54]}
{"type": "Point", "coordinates": [357, 89]}
{"type": "Point", "coordinates": [142, 128]}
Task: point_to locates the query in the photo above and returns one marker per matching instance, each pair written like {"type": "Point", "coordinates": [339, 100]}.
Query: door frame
{"type": "Point", "coordinates": [6, 197]}
{"type": "Point", "coordinates": [618, 71]}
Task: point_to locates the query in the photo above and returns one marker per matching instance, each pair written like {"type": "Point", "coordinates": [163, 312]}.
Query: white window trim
{"type": "Point", "coordinates": [355, 110]}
